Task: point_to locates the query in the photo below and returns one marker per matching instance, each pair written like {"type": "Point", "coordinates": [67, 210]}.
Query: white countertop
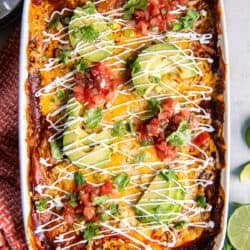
{"type": "Point", "coordinates": [238, 27]}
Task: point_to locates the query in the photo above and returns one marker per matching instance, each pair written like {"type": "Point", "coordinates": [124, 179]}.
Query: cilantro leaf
{"type": "Point", "coordinates": [121, 180]}
{"type": "Point", "coordinates": [55, 148]}
{"type": "Point", "coordinates": [64, 56]}
{"type": "Point", "coordinates": [91, 230]}
{"type": "Point", "coordinates": [81, 65]}
{"type": "Point", "coordinates": [79, 178]}
{"type": "Point", "coordinates": [87, 33]}
{"type": "Point", "coordinates": [92, 117]}
{"type": "Point", "coordinates": [131, 126]}
{"type": "Point", "coordinates": [41, 204]}
{"type": "Point", "coordinates": [61, 94]}
{"type": "Point", "coordinates": [139, 157]}
{"type": "Point", "coordinates": [168, 174]}
{"type": "Point", "coordinates": [100, 199]}
{"type": "Point", "coordinates": [145, 143]}
{"type": "Point", "coordinates": [180, 224]}
{"type": "Point", "coordinates": [119, 129]}
{"type": "Point", "coordinates": [201, 201]}
{"type": "Point", "coordinates": [154, 107]}
{"type": "Point", "coordinates": [181, 136]}
{"type": "Point", "coordinates": [187, 21]}
{"type": "Point", "coordinates": [131, 5]}
{"type": "Point", "coordinates": [55, 23]}
{"type": "Point", "coordinates": [113, 208]}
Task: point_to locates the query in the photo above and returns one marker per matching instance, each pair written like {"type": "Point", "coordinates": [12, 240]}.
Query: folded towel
{"type": "Point", "coordinates": [11, 225]}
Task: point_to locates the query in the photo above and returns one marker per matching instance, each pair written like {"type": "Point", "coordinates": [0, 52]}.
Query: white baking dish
{"type": "Point", "coordinates": [23, 101]}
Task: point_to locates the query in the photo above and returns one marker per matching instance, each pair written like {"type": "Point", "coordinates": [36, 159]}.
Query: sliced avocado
{"type": "Point", "coordinates": [159, 204]}
{"type": "Point", "coordinates": [160, 60]}
{"type": "Point", "coordinates": [83, 148]}
{"type": "Point", "coordinates": [94, 49]}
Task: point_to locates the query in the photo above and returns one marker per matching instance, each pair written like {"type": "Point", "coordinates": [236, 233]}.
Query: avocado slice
{"type": "Point", "coordinates": [158, 204]}
{"type": "Point", "coordinates": [94, 49]}
{"type": "Point", "coordinates": [160, 60]}
{"type": "Point", "coordinates": [83, 148]}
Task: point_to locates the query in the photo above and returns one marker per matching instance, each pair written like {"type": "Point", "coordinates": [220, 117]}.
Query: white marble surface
{"type": "Point", "coordinates": [238, 27]}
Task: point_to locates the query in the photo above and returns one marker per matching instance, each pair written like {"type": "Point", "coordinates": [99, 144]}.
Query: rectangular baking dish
{"type": "Point", "coordinates": [23, 125]}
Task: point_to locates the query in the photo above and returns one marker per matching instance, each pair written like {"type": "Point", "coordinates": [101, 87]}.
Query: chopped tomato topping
{"type": "Point", "coordinates": [201, 139]}
{"type": "Point", "coordinates": [89, 213]}
{"type": "Point", "coordinates": [183, 114]}
{"type": "Point", "coordinates": [168, 107]}
{"type": "Point", "coordinates": [96, 86]}
{"type": "Point", "coordinates": [106, 188]}
{"type": "Point", "coordinates": [69, 214]}
{"type": "Point", "coordinates": [157, 17]}
{"type": "Point", "coordinates": [165, 151]}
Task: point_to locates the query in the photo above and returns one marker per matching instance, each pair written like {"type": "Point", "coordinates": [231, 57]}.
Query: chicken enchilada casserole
{"type": "Point", "coordinates": [125, 124]}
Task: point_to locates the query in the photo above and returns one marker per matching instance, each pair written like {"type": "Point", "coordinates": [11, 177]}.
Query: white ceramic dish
{"type": "Point", "coordinates": [23, 101]}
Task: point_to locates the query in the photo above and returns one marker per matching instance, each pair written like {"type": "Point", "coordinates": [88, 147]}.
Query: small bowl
{"type": "Point", "coordinates": [9, 11]}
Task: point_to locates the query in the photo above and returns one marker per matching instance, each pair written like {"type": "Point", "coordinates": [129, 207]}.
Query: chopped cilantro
{"type": "Point", "coordinates": [181, 136]}
{"type": "Point", "coordinates": [121, 180]}
{"type": "Point", "coordinates": [92, 117]}
{"type": "Point", "coordinates": [55, 23]}
{"type": "Point", "coordinates": [187, 21]}
{"type": "Point", "coordinates": [100, 199]}
{"type": "Point", "coordinates": [64, 56]}
{"type": "Point", "coordinates": [91, 230]}
{"type": "Point", "coordinates": [88, 33]}
{"type": "Point", "coordinates": [61, 94]}
{"type": "Point", "coordinates": [139, 157]}
{"type": "Point", "coordinates": [81, 65]}
{"type": "Point", "coordinates": [119, 129]}
{"type": "Point", "coordinates": [201, 201]}
{"type": "Point", "coordinates": [79, 178]}
{"type": "Point", "coordinates": [168, 174]}
{"type": "Point", "coordinates": [41, 204]}
{"type": "Point", "coordinates": [145, 143]}
{"type": "Point", "coordinates": [180, 224]}
{"type": "Point", "coordinates": [113, 208]}
{"type": "Point", "coordinates": [131, 5]}
{"type": "Point", "coordinates": [154, 107]}
{"type": "Point", "coordinates": [66, 20]}
{"type": "Point", "coordinates": [131, 126]}
{"type": "Point", "coordinates": [56, 150]}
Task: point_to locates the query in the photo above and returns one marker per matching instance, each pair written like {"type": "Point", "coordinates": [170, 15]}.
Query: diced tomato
{"type": "Point", "coordinates": [96, 86]}
{"type": "Point", "coordinates": [106, 188]}
{"type": "Point", "coordinates": [168, 108]}
{"type": "Point", "coordinates": [165, 151]}
{"type": "Point", "coordinates": [154, 128]}
{"type": "Point", "coordinates": [69, 214]}
{"type": "Point", "coordinates": [183, 114]}
{"type": "Point", "coordinates": [89, 212]}
{"type": "Point", "coordinates": [143, 26]}
{"type": "Point", "coordinates": [85, 198]}
{"type": "Point", "coordinates": [201, 139]}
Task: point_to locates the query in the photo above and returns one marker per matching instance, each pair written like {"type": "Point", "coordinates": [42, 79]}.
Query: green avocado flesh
{"type": "Point", "coordinates": [84, 149]}
{"type": "Point", "coordinates": [158, 61]}
{"type": "Point", "coordinates": [99, 48]}
{"type": "Point", "coordinates": [155, 205]}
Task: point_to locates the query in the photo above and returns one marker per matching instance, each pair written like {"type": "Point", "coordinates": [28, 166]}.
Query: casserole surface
{"type": "Point", "coordinates": [125, 126]}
